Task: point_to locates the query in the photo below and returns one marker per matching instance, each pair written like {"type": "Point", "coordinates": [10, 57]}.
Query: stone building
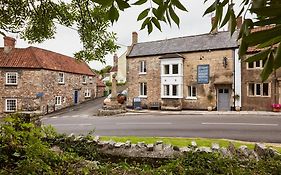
{"type": "Point", "coordinates": [192, 72]}
{"type": "Point", "coordinates": [258, 95]}
{"type": "Point", "coordinates": [34, 79]}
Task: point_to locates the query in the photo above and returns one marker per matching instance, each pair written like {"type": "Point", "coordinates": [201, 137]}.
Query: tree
{"type": "Point", "coordinates": [35, 21]}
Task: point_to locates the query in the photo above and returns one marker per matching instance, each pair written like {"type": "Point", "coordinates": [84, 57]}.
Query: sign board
{"type": "Point", "coordinates": [40, 94]}
{"type": "Point", "coordinates": [203, 72]}
{"type": "Point", "coordinates": [137, 103]}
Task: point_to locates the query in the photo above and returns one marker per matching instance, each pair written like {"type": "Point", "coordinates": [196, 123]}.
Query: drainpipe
{"type": "Point", "coordinates": [234, 62]}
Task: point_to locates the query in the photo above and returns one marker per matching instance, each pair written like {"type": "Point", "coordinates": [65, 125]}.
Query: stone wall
{"type": "Point", "coordinates": [258, 103]}
{"type": "Point", "coordinates": [219, 75]}
{"type": "Point", "coordinates": [32, 81]}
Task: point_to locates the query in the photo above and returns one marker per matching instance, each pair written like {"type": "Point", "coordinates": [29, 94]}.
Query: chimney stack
{"type": "Point", "coordinates": [239, 22]}
{"type": "Point", "coordinates": [115, 60]}
{"type": "Point", "coordinates": [9, 43]}
{"type": "Point", "coordinates": [134, 38]}
{"type": "Point", "coordinates": [213, 19]}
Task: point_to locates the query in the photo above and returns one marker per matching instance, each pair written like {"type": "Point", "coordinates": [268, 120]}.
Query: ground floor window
{"type": "Point", "coordinates": [170, 91]}
{"type": "Point", "coordinates": [58, 100]}
{"type": "Point", "coordinates": [258, 89]}
{"type": "Point", "coordinates": [11, 105]}
{"type": "Point", "coordinates": [191, 92]}
{"type": "Point", "coordinates": [166, 90]}
{"type": "Point", "coordinates": [143, 89]}
{"type": "Point", "coordinates": [175, 90]}
{"type": "Point", "coordinates": [87, 93]}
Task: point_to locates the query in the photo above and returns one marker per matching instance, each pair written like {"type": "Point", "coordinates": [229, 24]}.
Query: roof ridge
{"type": "Point", "coordinates": [196, 35]}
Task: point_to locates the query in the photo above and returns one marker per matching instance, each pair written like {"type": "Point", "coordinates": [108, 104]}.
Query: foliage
{"type": "Point", "coordinates": [108, 83]}
{"type": "Point", "coordinates": [267, 40]}
{"type": "Point", "coordinates": [103, 71]}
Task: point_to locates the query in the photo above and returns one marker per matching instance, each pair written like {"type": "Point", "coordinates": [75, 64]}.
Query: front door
{"type": "Point", "coordinates": [223, 99]}
{"type": "Point", "coordinates": [76, 97]}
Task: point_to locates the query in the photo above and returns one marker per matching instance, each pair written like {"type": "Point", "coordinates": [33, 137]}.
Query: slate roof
{"type": "Point", "coordinates": [37, 58]}
{"type": "Point", "coordinates": [220, 40]}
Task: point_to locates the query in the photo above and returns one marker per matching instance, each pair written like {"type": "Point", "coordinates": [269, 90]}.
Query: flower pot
{"type": "Point", "coordinates": [237, 108]}
{"type": "Point", "coordinates": [210, 108]}
{"type": "Point", "coordinates": [276, 109]}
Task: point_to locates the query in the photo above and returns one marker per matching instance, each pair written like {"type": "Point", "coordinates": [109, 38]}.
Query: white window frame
{"type": "Point", "coordinates": [58, 100]}
{"type": "Point", "coordinates": [90, 79]}
{"type": "Point", "coordinates": [84, 79]}
{"type": "Point", "coordinates": [255, 65]}
{"type": "Point", "coordinates": [261, 90]}
{"type": "Point", "coordinates": [142, 90]}
{"type": "Point", "coordinates": [6, 106]}
{"type": "Point", "coordinates": [7, 78]}
{"type": "Point", "coordinates": [142, 67]}
{"type": "Point", "coordinates": [190, 95]}
{"type": "Point", "coordinates": [172, 70]}
{"type": "Point", "coordinates": [87, 93]}
{"type": "Point", "coordinates": [61, 78]}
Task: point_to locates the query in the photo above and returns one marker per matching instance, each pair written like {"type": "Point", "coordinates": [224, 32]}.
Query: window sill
{"type": "Point", "coordinates": [142, 96]}
{"type": "Point", "coordinates": [191, 98]}
{"type": "Point", "coordinates": [84, 82]}
{"type": "Point", "coordinates": [258, 96]}
{"type": "Point", "coordinates": [87, 96]}
{"type": "Point", "coordinates": [142, 73]}
{"type": "Point", "coordinates": [62, 83]}
{"type": "Point", "coordinates": [11, 84]}
{"type": "Point", "coordinates": [10, 111]}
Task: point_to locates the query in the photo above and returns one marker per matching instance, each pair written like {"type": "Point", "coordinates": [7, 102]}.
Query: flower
{"type": "Point", "coordinates": [276, 106]}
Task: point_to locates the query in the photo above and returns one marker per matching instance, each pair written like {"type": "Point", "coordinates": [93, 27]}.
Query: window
{"type": "Point", "coordinates": [143, 89]}
{"type": "Point", "coordinates": [166, 90]}
{"type": "Point", "coordinates": [166, 69]}
{"type": "Point", "coordinates": [258, 89]}
{"type": "Point", "coordinates": [192, 92]}
{"type": "Point", "coordinates": [11, 78]}
{"type": "Point", "coordinates": [61, 78]}
{"type": "Point", "coordinates": [90, 80]}
{"type": "Point", "coordinates": [58, 100]}
{"type": "Point", "coordinates": [143, 67]}
{"type": "Point", "coordinates": [11, 105]}
{"type": "Point", "coordinates": [84, 79]}
{"type": "Point", "coordinates": [175, 90]}
{"type": "Point", "coordinates": [256, 64]}
{"type": "Point", "coordinates": [87, 93]}
{"type": "Point", "coordinates": [175, 68]}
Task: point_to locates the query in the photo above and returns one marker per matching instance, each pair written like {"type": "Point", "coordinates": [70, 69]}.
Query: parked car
{"type": "Point", "coordinates": [121, 98]}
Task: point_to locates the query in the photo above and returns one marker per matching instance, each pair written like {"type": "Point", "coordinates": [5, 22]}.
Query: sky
{"type": "Point", "coordinates": [67, 41]}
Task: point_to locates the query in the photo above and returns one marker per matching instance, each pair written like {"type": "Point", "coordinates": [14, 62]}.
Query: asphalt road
{"type": "Point", "coordinates": [256, 128]}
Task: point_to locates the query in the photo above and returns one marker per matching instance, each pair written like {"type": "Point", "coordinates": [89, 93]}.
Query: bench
{"type": "Point", "coordinates": [154, 105]}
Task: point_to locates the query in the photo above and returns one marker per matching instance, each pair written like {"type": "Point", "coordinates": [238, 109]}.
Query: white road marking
{"type": "Point", "coordinates": [167, 123]}
{"type": "Point", "coordinates": [82, 124]}
{"type": "Point", "coordinates": [245, 124]}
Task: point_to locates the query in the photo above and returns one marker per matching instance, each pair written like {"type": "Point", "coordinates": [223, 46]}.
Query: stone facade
{"type": "Point", "coordinates": [260, 102]}
{"type": "Point", "coordinates": [220, 75]}
{"type": "Point", "coordinates": [37, 88]}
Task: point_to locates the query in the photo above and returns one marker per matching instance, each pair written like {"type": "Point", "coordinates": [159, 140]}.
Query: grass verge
{"type": "Point", "coordinates": [181, 142]}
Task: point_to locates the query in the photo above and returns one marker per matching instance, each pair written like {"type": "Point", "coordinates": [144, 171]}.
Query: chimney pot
{"type": "Point", "coordinates": [9, 43]}
{"type": "Point", "coordinates": [213, 19]}
{"type": "Point", "coordinates": [134, 38]}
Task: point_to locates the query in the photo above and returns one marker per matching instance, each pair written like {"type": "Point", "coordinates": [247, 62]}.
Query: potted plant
{"type": "Point", "coordinates": [236, 98]}
{"type": "Point", "coordinates": [210, 98]}
{"type": "Point", "coordinates": [276, 107]}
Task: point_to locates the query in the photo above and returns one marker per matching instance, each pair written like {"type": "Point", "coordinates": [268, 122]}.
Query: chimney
{"type": "Point", "coordinates": [213, 19]}
{"type": "Point", "coordinates": [9, 43]}
{"type": "Point", "coordinates": [239, 22]}
{"type": "Point", "coordinates": [134, 38]}
{"type": "Point", "coordinates": [115, 60]}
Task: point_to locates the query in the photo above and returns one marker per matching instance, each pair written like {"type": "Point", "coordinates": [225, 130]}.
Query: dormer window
{"type": "Point", "coordinates": [11, 78]}
{"type": "Point", "coordinates": [61, 78]}
{"type": "Point", "coordinates": [84, 79]}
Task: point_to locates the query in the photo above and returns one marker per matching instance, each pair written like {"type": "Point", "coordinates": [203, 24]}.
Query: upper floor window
{"type": "Point", "coordinates": [84, 79]}
{"type": "Point", "coordinates": [166, 69]}
{"type": "Point", "coordinates": [142, 67]}
{"type": "Point", "coordinates": [175, 68]}
{"type": "Point", "coordinates": [171, 69]}
{"type": "Point", "coordinates": [191, 92]}
{"type": "Point", "coordinates": [143, 89]}
{"type": "Point", "coordinates": [61, 78]}
{"type": "Point", "coordinates": [10, 105]}
{"type": "Point", "coordinates": [87, 93]}
{"type": "Point", "coordinates": [256, 64]}
{"type": "Point", "coordinates": [258, 89]}
{"type": "Point", "coordinates": [11, 78]}
{"type": "Point", "coordinates": [58, 100]}
{"type": "Point", "coordinates": [90, 80]}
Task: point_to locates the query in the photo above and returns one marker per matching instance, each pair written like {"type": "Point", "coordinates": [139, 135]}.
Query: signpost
{"type": "Point", "coordinates": [203, 72]}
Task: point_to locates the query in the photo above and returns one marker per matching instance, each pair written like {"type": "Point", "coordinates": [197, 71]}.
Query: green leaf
{"type": "Point", "coordinates": [269, 21]}
{"type": "Point", "coordinates": [143, 14]}
{"type": "Point", "coordinates": [156, 23]}
{"type": "Point", "coordinates": [158, 2]}
{"type": "Point", "coordinates": [226, 18]}
{"type": "Point", "coordinates": [168, 17]}
{"type": "Point", "coordinates": [242, 48]}
{"type": "Point", "coordinates": [104, 3]}
{"type": "Point", "coordinates": [232, 22]}
{"type": "Point", "coordinates": [277, 58]}
{"type": "Point", "coordinates": [174, 16]}
{"type": "Point", "coordinates": [145, 22]}
{"type": "Point", "coordinates": [259, 56]}
{"type": "Point", "coordinates": [149, 27]}
{"type": "Point", "coordinates": [113, 14]}
{"type": "Point", "coordinates": [211, 8]}
{"type": "Point", "coordinates": [269, 11]}
{"type": "Point", "coordinates": [268, 68]}
{"type": "Point", "coordinates": [160, 12]}
{"type": "Point", "coordinates": [178, 5]}
{"type": "Point", "coordinates": [122, 4]}
{"type": "Point", "coordinates": [270, 42]}
{"type": "Point", "coordinates": [140, 2]}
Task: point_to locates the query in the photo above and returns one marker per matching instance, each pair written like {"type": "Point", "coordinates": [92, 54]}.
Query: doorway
{"type": "Point", "coordinates": [223, 98]}
{"type": "Point", "coordinates": [76, 96]}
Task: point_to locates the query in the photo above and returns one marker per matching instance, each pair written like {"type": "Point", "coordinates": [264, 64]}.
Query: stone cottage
{"type": "Point", "coordinates": [34, 79]}
{"type": "Point", "coordinates": [258, 95]}
{"type": "Point", "coordinates": [192, 72]}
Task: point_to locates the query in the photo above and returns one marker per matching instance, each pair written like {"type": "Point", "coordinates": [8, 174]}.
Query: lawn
{"type": "Point", "coordinates": [182, 142]}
